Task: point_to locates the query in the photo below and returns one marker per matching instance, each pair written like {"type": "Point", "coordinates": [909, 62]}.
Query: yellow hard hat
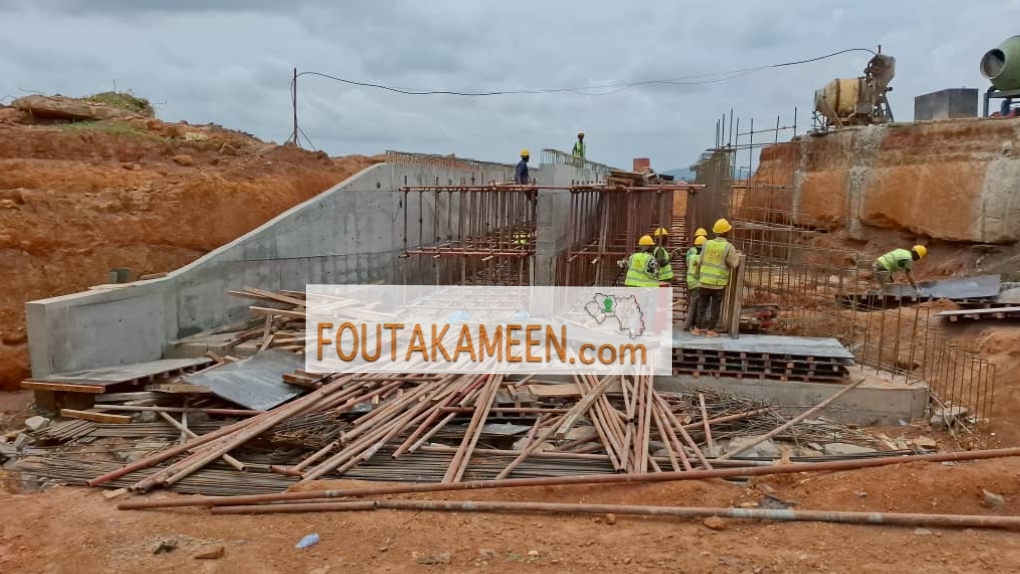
{"type": "Point", "coordinates": [700, 231]}
{"type": "Point", "coordinates": [921, 250]}
{"type": "Point", "coordinates": [661, 231]}
{"type": "Point", "coordinates": [699, 240]}
{"type": "Point", "coordinates": [525, 152]}
{"type": "Point", "coordinates": [646, 241]}
{"type": "Point", "coordinates": [721, 226]}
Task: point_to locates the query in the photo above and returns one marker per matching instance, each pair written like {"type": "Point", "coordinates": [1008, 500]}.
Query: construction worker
{"type": "Point", "coordinates": [897, 260]}
{"type": "Point", "coordinates": [521, 174]}
{"type": "Point", "coordinates": [661, 254]}
{"type": "Point", "coordinates": [580, 150]}
{"type": "Point", "coordinates": [642, 270]}
{"type": "Point", "coordinates": [718, 258]}
{"type": "Point", "coordinates": [520, 238]}
{"type": "Point", "coordinates": [693, 264]}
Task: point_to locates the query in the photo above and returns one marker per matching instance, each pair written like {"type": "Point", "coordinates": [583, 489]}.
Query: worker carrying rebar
{"type": "Point", "coordinates": [693, 264]}
{"type": "Point", "coordinates": [718, 258]}
{"type": "Point", "coordinates": [580, 149]}
{"type": "Point", "coordinates": [662, 255]}
{"type": "Point", "coordinates": [642, 269]}
{"type": "Point", "coordinates": [521, 176]}
{"type": "Point", "coordinates": [897, 260]}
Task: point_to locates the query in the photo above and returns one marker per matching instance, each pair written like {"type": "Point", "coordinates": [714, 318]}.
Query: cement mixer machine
{"type": "Point", "coordinates": [858, 101]}
{"type": "Point", "coordinates": [1001, 67]}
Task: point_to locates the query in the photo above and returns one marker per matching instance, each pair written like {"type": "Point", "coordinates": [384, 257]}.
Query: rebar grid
{"type": "Point", "coordinates": [605, 226]}
{"type": "Point", "coordinates": [905, 344]}
{"type": "Point", "coordinates": [470, 234]}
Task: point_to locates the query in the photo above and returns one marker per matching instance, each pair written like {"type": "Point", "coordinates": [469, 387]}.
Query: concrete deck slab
{"type": "Point", "coordinates": [771, 344]}
{"type": "Point", "coordinates": [878, 401]}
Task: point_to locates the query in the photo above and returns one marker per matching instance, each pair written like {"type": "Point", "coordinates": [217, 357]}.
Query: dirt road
{"type": "Point", "coordinates": [73, 530]}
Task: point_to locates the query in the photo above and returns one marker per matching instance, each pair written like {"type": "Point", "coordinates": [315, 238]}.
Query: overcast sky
{"type": "Point", "coordinates": [230, 62]}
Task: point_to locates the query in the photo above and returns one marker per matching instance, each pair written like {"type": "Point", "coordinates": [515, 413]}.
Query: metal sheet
{"type": "Point", "coordinates": [992, 311]}
{"type": "Point", "coordinates": [256, 382]}
{"type": "Point", "coordinates": [106, 376]}
{"type": "Point", "coordinates": [504, 429]}
{"type": "Point", "coordinates": [765, 344]}
{"type": "Point", "coordinates": [962, 288]}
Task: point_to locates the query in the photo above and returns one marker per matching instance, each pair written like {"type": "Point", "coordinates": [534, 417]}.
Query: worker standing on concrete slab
{"type": "Point", "coordinates": [718, 258]}
{"type": "Point", "coordinates": [897, 260]}
{"type": "Point", "coordinates": [661, 254]}
{"type": "Point", "coordinates": [693, 268]}
{"type": "Point", "coordinates": [580, 150]}
{"type": "Point", "coordinates": [642, 270]}
{"type": "Point", "coordinates": [521, 174]}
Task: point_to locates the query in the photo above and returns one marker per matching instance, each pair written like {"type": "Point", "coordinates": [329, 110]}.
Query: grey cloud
{"type": "Point", "coordinates": [229, 62]}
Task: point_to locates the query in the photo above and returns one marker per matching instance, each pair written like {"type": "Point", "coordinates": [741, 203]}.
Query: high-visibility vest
{"type": "Point", "coordinates": [665, 269]}
{"type": "Point", "coordinates": [520, 239]}
{"type": "Point", "coordinates": [638, 274]}
{"type": "Point", "coordinates": [891, 261]}
{"type": "Point", "coordinates": [714, 272]}
{"type": "Point", "coordinates": [580, 149]}
{"type": "Point", "coordinates": [693, 261]}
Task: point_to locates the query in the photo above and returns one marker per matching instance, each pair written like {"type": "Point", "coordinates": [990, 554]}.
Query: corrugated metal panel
{"type": "Point", "coordinates": [254, 383]}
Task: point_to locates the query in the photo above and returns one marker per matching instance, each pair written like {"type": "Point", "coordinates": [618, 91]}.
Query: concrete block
{"type": "Point", "coordinates": [843, 449]}
{"type": "Point", "coordinates": [37, 423]}
{"type": "Point", "coordinates": [765, 449]}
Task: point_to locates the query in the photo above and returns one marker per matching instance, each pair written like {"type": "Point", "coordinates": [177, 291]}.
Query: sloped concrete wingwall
{"type": "Point", "coordinates": [351, 233]}
{"type": "Point", "coordinates": [955, 180]}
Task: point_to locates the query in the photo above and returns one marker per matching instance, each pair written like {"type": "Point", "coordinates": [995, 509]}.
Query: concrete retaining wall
{"type": "Point", "coordinates": [351, 233]}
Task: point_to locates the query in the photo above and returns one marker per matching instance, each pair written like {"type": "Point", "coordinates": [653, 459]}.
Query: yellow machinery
{"type": "Point", "coordinates": [858, 101]}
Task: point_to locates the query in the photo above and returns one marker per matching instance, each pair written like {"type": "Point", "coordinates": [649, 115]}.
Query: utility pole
{"type": "Point", "coordinates": [293, 100]}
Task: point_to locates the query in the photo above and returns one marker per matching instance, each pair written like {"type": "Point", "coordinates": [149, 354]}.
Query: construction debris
{"type": "Point", "coordinates": [261, 424]}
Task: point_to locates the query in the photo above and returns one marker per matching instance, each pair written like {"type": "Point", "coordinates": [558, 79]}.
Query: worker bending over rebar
{"type": "Point", "coordinates": [897, 260]}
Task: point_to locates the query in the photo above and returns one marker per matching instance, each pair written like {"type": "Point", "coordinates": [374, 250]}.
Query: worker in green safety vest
{"type": "Point", "coordinates": [662, 254]}
{"type": "Point", "coordinates": [642, 270]}
{"type": "Point", "coordinates": [897, 260]}
{"type": "Point", "coordinates": [693, 265]}
{"type": "Point", "coordinates": [580, 149]}
{"type": "Point", "coordinates": [718, 258]}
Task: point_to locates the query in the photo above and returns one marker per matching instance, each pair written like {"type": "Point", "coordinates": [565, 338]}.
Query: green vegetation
{"type": "Point", "coordinates": [123, 101]}
{"type": "Point", "coordinates": [108, 126]}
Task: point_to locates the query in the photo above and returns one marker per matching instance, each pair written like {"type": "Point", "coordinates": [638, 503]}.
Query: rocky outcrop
{"type": "Point", "coordinates": [955, 180]}
{"type": "Point", "coordinates": [77, 109]}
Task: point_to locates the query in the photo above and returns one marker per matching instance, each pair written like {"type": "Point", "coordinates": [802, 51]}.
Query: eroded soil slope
{"type": "Point", "coordinates": [79, 199]}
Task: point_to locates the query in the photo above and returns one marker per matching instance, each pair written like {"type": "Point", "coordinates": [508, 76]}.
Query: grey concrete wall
{"type": "Point", "coordinates": [552, 235]}
{"type": "Point", "coordinates": [351, 233]}
{"type": "Point", "coordinates": [946, 104]}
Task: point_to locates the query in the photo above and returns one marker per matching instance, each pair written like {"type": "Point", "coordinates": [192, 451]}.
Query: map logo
{"type": "Point", "coordinates": [625, 310]}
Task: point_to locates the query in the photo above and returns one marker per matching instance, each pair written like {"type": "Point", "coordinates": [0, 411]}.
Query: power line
{"type": "Point", "coordinates": [691, 80]}
{"type": "Point", "coordinates": [683, 80]}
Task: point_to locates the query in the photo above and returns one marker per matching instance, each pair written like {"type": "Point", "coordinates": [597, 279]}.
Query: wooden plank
{"type": "Point", "coordinates": [130, 396]}
{"type": "Point", "coordinates": [95, 417]}
{"type": "Point", "coordinates": [61, 387]}
{"type": "Point", "coordinates": [180, 389]}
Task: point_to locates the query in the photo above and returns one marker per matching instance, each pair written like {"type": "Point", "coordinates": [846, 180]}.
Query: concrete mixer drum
{"type": "Point", "coordinates": [858, 101]}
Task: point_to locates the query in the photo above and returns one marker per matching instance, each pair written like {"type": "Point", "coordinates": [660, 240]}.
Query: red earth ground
{"type": "Point", "coordinates": [78, 200]}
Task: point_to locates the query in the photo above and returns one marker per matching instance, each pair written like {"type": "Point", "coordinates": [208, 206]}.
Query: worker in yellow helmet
{"type": "Point", "coordinates": [897, 260]}
{"type": "Point", "coordinates": [700, 232]}
{"type": "Point", "coordinates": [642, 269]}
{"type": "Point", "coordinates": [693, 264]}
{"type": "Point", "coordinates": [662, 255]}
{"type": "Point", "coordinates": [718, 258]}
{"type": "Point", "coordinates": [580, 150]}
{"type": "Point", "coordinates": [521, 176]}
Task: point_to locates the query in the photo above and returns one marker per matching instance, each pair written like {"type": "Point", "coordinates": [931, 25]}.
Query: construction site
{"type": "Point", "coordinates": [158, 414]}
